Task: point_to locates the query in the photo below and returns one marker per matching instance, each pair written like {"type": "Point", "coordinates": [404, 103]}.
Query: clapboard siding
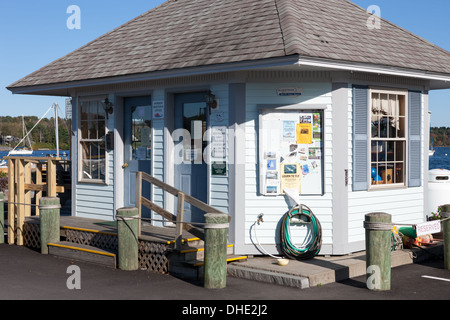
{"type": "Point", "coordinates": [157, 165]}
{"type": "Point", "coordinates": [96, 201]}
{"type": "Point", "coordinates": [405, 206]}
{"type": "Point", "coordinates": [274, 207]}
{"type": "Point", "coordinates": [105, 193]}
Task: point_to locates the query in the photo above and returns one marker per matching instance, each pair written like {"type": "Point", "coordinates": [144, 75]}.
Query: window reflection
{"type": "Point", "coordinates": [141, 126]}
{"type": "Point", "coordinates": [194, 121]}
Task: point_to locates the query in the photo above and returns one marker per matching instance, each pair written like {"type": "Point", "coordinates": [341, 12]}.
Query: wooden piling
{"type": "Point", "coordinates": [216, 231]}
{"type": "Point", "coordinates": [20, 198]}
{"type": "Point", "coordinates": [11, 199]}
{"type": "Point", "coordinates": [180, 218]}
{"type": "Point", "coordinates": [127, 233]}
{"type": "Point", "coordinates": [378, 251]}
{"type": "Point", "coordinates": [49, 208]}
{"type": "Point", "coordinates": [445, 214]}
{"type": "Point", "coordinates": [2, 217]}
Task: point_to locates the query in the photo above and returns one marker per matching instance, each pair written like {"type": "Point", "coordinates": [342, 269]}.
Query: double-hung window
{"type": "Point", "coordinates": [388, 137]}
{"type": "Point", "coordinates": [92, 142]}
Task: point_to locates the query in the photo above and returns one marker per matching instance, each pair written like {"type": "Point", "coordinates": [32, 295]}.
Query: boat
{"type": "Point", "coordinates": [21, 151]}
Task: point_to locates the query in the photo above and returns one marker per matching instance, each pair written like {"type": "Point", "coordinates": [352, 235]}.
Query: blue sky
{"type": "Point", "coordinates": [34, 33]}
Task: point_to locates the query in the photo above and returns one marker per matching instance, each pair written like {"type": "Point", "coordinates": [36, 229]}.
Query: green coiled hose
{"type": "Point", "coordinates": [312, 247]}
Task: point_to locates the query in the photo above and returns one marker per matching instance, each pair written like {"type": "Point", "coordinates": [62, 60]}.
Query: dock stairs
{"type": "Point", "coordinates": [188, 262]}
{"type": "Point", "coordinates": [85, 253]}
{"type": "Point", "coordinates": [185, 263]}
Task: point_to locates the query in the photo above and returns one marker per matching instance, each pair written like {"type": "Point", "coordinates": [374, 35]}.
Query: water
{"type": "Point", "coordinates": [63, 154]}
{"type": "Point", "coordinates": [441, 159]}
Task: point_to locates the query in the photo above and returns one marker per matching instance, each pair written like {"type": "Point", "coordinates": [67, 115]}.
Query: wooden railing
{"type": "Point", "coordinates": [27, 174]}
{"type": "Point", "coordinates": [178, 218]}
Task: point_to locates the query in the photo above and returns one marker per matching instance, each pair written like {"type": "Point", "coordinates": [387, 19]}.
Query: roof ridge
{"type": "Point", "coordinates": [281, 27]}
{"type": "Point", "coordinates": [289, 25]}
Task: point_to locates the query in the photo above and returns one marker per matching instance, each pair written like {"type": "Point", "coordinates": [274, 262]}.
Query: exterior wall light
{"type": "Point", "coordinates": [211, 101]}
{"type": "Point", "coordinates": [108, 106]}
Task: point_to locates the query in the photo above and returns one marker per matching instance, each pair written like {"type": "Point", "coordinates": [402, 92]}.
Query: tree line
{"type": "Point", "coordinates": [440, 137]}
{"type": "Point", "coordinates": [42, 136]}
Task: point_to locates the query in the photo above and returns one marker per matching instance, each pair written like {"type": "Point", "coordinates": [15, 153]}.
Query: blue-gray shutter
{"type": "Point", "coordinates": [414, 139]}
{"type": "Point", "coordinates": [360, 138]}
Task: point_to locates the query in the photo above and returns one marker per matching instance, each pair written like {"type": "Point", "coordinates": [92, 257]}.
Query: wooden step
{"type": "Point", "coordinates": [198, 253]}
{"type": "Point", "coordinates": [191, 242]}
{"type": "Point", "coordinates": [84, 253]}
{"type": "Point", "coordinates": [193, 269]}
{"type": "Point", "coordinates": [230, 258]}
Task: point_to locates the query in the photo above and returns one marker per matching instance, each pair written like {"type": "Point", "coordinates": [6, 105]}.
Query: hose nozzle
{"type": "Point", "coordinates": [260, 218]}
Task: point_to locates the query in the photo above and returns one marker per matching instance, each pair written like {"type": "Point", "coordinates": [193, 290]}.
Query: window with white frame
{"type": "Point", "coordinates": [388, 137]}
{"type": "Point", "coordinates": [92, 142]}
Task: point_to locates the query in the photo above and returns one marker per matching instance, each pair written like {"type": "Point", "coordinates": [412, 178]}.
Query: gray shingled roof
{"type": "Point", "coordinates": [191, 33]}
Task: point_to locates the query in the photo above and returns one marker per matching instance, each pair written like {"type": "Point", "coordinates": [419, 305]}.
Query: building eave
{"type": "Point", "coordinates": [64, 88]}
{"type": "Point", "coordinates": [437, 80]}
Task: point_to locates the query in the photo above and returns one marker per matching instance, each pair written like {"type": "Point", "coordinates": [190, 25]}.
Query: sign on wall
{"type": "Point", "coordinates": [290, 152]}
{"type": "Point", "coordinates": [69, 108]}
{"type": "Point", "coordinates": [290, 92]}
{"type": "Point", "coordinates": [158, 109]}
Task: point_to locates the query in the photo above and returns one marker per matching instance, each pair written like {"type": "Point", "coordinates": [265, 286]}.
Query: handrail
{"type": "Point", "coordinates": [189, 199]}
{"type": "Point", "coordinates": [20, 185]}
{"type": "Point", "coordinates": [178, 218]}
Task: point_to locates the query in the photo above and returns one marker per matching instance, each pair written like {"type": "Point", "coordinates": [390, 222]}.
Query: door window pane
{"type": "Point", "coordinates": [194, 121]}
{"type": "Point", "coordinates": [141, 129]}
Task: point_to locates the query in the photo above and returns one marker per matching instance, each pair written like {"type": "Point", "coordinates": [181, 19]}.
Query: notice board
{"type": "Point", "coordinates": [291, 151]}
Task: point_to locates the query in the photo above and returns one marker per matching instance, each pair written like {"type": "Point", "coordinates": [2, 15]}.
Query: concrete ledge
{"type": "Point", "coordinates": [268, 277]}
{"type": "Point", "coordinates": [321, 270]}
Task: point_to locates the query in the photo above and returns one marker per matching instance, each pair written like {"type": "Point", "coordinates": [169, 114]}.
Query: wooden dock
{"type": "Point", "coordinates": [43, 176]}
{"type": "Point", "coordinates": [164, 235]}
{"type": "Point", "coordinates": [155, 243]}
{"type": "Point", "coordinates": [182, 244]}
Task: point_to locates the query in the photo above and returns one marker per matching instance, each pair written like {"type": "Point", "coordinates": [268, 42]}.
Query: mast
{"type": "Point", "coordinates": [23, 130]}
{"type": "Point", "coordinates": [23, 139]}
{"type": "Point", "coordinates": [25, 133]}
{"type": "Point", "coordinates": [55, 105]}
